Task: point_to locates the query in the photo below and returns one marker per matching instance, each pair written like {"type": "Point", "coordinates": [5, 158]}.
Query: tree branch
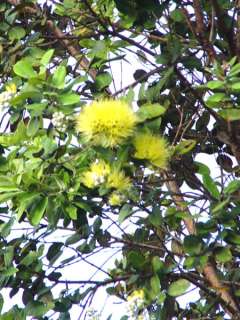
{"type": "Point", "coordinates": [201, 31]}
{"type": "Point", "coordinates": [73, 50]}
{"type": "Point", "coordinates": [209, 270]}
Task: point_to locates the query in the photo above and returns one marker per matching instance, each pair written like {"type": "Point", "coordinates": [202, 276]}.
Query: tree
{"type": "Point", "coordinates": [76, 158]}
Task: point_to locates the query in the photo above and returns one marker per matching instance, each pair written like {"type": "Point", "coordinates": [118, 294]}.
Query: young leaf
{"type": "Point", "coordinates": [58, 79]}
{"type": "Point", "coordinates": [69, 98]}
{"type": "Point", "coordinates": [149, 111]}
{"type": "Point", "coordinates": [125, 212]}
{"type": "Point", "coordinates": [38, 210]}
{"type": "Point", "coordinates": [47, 57]}
{"type": "Point", "coordinates": [24, 69]}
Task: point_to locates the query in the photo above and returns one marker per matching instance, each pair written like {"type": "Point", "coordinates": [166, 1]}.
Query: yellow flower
{"type": "Point", "coordinates": [11, 88]}
{"type": "Point", "coordinates": [115, 199]}
{"type": "Point", "coordinates": [101, 168]}
{"type": "Point", "coordinates": [136, 295]}
{"type": "Point", "coordinates": [96, 175]}
{"type": "Point", "coordinates": [152, 148]}
{"type": "Point", "coordinates": [118, 180]}
{"type": "Point", "coordinates": [107, 123]}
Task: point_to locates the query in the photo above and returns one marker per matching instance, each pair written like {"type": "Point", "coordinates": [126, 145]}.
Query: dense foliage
{"type": "Point", "coordinates": [92, 166]}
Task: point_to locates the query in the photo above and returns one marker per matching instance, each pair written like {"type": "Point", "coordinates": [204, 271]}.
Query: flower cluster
{"type": "Point", "coordinates": [116, 199]}
{"type": "Point", "coordinates": [135, 304]}
{"type": "Point", "coordinates": [118, 180]}
{"type": "Point", "coordinates": [101, 173]}
{"type": "Point", "coordinates": [59, 121]}
{"type": "Point", "coordinates": [106, 123]}
{"type": "Point", "coordinates": [96, 175]}
{"type": "Point", "coordinates": [152, 148]}
{"type": "Point", "coordinates": [7, 95]}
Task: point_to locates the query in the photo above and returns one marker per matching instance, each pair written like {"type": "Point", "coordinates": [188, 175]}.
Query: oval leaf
{"type": "Point", "coordinates": [178, 287]}
{"type": "Point", "coordinates": [24, 69]}
{"type": "Point", "coordinates": [38, 211]}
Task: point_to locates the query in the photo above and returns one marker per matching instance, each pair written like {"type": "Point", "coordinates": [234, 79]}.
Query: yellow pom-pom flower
{"type": "Point", "coordinates": [152, 148]}
{"type": "Point", "coordinates": [135, 304]}
{"type": "Point", "coordinates": [107, 123]}
{"type": "Point", "coordinates": [96, 175]}
{"type": "Point", "coordinates": [136, 295]}
{"type": "Point", "coordinates": [115, 199]}
{"type": "Point", "coordinates": [118, 180]}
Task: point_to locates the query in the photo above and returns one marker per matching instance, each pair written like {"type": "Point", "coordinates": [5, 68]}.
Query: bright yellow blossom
{"type": "Point", "coordinates": [115, 199]}
{"type": "Point", "coordinates": [136, 295]}
{"type": "Point", "coordinates": [107, 123]}
{"type": "Point", "coordinates": [11, 88]}
{"type": "Point", "coordinates": [96, 175]}
{"type": "Point", "coordinates": [152, 148]}
{"type": "Point", "coordinates": [118, 180]}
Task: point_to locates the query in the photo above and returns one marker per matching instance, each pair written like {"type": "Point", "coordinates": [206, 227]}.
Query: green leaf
{"type": "Point", "coordinates": [215, 101]}
{"type": "Point", "coordinates": [18, 137]}
{"type": "Point", "coordinates": [25, 199]}
{"type": "Point", "coordinates": [185, 146]}
{"type": "Point", "coordinates": [54, 251]}
{"type": "Point", "coordinates": [1, 303]}
{"type": "Point", "coordinates": [136, 259]}
{"type": "Point", "coordinates": [29, 258]}
{"type": "Point", "coordinates": [149, 111]}
{"type": "Point", "coordinates": [235, 86]}
{"type": "Point", "coordinates": [24, 69]}
{"type": "Point", "coordinates": [220, 205]}
{"type": "Point", "coordinates": [7, 184]}
{"type": "Point", "coordinates": [33, 126]}
{"type": "Point", "coordinates": [69, 98]}
{"type": "Point", "coordinates": [223, 254]}
{"type": "Point", "coordinates": [232, 187]}
{"type": "Point", "coordinates": [8, 256]}
{"type": "Point", "coordinates": [37, 309]}
{"type": "Point", "coordinates": [155, 285]}
{"type": "Point", "coordinates": [58, 79]}
{"type": "Point", "coordinates": [210, 185]}
{"type": "Point", "coordinates": [46, 58]}
{"type": "Point", "coordinates": [192, 245]}
{"type": "Point", "coordinates": [202, 168]}
{"type": "Point", "coordinates": [208, 182]}
{"type": "Point", "coordinates": [157, 264]}
{"type": "Point", "coordinates": [125, 212]}
{"type": "Point", "coordinates": [16, 33]}
{"type": "Point", "coordinates": [234, 70]}
{"type": "Point", "coordinates": [178, 287]}
{"type": "Point", "coordinates": [230, 114]}
{"type": "Point", "coordinates": [8, 196]}
{"type": "Point", "coordinates": [177, 15]}
{"type": "Point", "coordinates": [9, 272]}
{"type": "Point", "coordinates": [72, 212]}
{"type": "Point", "coordinates": [155, 218]}
{"type": "Point", "coordinates": [36, 109]}
{"type": "Point", "coordinates": [73, 239]}
{"type": "Point", "coordinates": [232, 237]}
{"type": "Point", "coordinates": [22, 96]}
{"type": "Point", "coordinates": [38, 210]}
{"type": "Point", "coordinates": [215, 84]}
{"type": "Point", "coordinates": [103, 80]}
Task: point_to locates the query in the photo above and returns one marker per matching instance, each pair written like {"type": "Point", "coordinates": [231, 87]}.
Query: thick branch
{"type": "Point", "coordinates": [201, 31]}
{"type": "Point", "coordinates": [209, 270]}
